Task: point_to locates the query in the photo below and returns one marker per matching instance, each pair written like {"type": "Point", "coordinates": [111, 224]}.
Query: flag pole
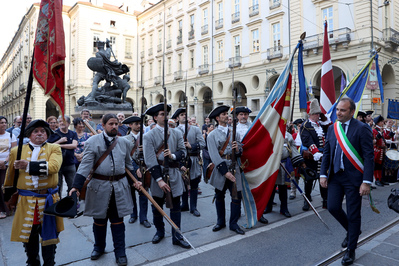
{"type": "Point", "coordinates": [304, 196]}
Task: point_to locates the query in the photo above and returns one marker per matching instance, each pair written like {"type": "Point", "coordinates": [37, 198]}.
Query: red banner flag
{"type": "Point", "coordinates": [49, 52]}
{"type": "Point", "coordinates": [327, 92]}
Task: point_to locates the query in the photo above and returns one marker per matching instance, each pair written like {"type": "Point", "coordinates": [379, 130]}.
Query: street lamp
{"type": "Point", "coordinates": [269, 71]}
{"type": "Point", "coordinates": [195, 100]}
{"type": "Point", "coordinates": [393, 61]}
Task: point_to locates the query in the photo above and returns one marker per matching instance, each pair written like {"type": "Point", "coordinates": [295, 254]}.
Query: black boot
{"type": "Point", "coordinates": [184, 202]}
{"type": "Point", "coordinates": [118, 237]}
{"type": "Point", "coordinates": [32, 247]}
{"type": "Point", "coordinates": [100, 234]}
{"type": "Point", "coordinates": [48, 254]}
{"type": "Point", "coordinates": [306, 206]}
{"type": "Point", "coordinates": [220, 211]}
{"type": "Point", "coordinates": [193, 202]}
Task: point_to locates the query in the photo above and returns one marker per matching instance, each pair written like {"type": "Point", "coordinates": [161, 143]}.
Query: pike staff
{"type": "Point", "coordinates": [233, 152]}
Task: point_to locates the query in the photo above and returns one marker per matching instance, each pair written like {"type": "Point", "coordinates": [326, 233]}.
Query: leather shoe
{"type": "Point", "coordinates": [292, 197]}
{"type": "Point", "coordinates": [238, 230]}
{"type": "Point", "coordinates": [121, 261]}
{"type": "Point", "coordinates": [373, 187]}
{"type": "Point", "coordinates": [263, 220]}
{"type": "Point", "coordinates": [385, 183]}
{"type": "Point", "coordinates": [218, 227]}
{"type": "Point", "coordinates": [95, 255]}
{"type": "Point", "coordinates": [183, 209]}
{"type": "Point", "coordinates": [324, 204]}
{"type": "Point", "coordinates": [196, 213]}
{"type": "Point", "coordinates": [132, 220]}
{"type": "Point", "coordinates": [306, 206]}
{"type": "Point", "coordinates": [181, 243]}
{"type": "Point", "coordinates": [349, 257]}
{"type": "Point", "coordinates": [146, 224]}
{"type": "Point", "coordinates": [156, 239]}
{"type": "Point", "coordinates": [378, 183]}
{"type": "Point", "coordinates": [286, 214]}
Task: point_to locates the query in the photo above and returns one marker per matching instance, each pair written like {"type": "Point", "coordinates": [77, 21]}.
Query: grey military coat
{"type": "Point", "coordinates": [197, 143]}
{"type": "Point", "coordinates": [289, 150]}
{"type": "Point", "coordinates": [215, 141]}
{"type": "Point", "coordinates": [98, 192]}
{"type": "Point", "coordinates": [152, 141]}
{"type": "Point", "coordinates": [132, 140]}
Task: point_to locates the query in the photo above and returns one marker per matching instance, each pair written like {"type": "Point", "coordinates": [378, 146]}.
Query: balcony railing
{"type": "Point", "coordinates": [335, 37]}
{"type": "Point", "coordinates": [150, 51]}
{"type": "Point", "coordinates": [191, 34]}
{"type": "Point", "coordinates": [142, 54]}
{"type": "Point", "coordinates": [204, 29]}
{"type": "Point", "coordinates": [157, 80]}
{"type": "Point", "coordinates": [274, 4]}
{"type": "Point", "coordinates": [219, 24]}
{"type": "Point", "coordinates": [254, 10]}
{"type": "Point", "coordinates": [159, 48]}
{"type": "Point", "coordinates": [275, 52]}
{"type": "Point", "coordinates": [235, 61]}
{"type": "Point", "coordinates": [203, 69]}
{"type": "Point", "coordinates": [179, 39]}
{"type": "Point", "coordinates": [391, 38]}
{"type": "Point", "coordinates": [235, 17]}
{"type": "Point", "coordinates": [168, 43]}
{"type": "Point", "coordinates": [178, 75]}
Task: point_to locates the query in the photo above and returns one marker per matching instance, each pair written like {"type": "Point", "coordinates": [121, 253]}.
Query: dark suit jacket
{"type": "Point", "coordinates": [361, 137]}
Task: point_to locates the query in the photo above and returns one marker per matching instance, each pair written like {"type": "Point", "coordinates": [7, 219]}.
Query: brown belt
{"type": "Point", "coordinates": [172, 164]}
{"type": "Point", "coordinates": [109, 178]}
{"type": "Point", "coordinates": [41, 191]}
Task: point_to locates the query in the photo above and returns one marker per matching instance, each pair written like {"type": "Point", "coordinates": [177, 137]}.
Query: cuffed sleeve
{"type": "Point", "coordinates": [156, 172]}
{"type": "Point", "coordinates": [222, 168]}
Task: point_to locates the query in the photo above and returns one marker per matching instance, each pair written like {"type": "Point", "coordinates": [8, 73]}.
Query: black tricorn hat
{"type": "Point", "coordinates": [35, 124]}
{"type": "Point", "coordinates": [218, 110]}
{"type": "Point", "coordinates": [131, 119]}
{"type": "Point", "coordinates": [361, 113]}
{"type": "Point", "coordinates": [369, 112]}
{"type": "Point", "coordinates": [156, 108]}
{"type": "Point", "coordinates": [298, 121]}
{"type": "Point", "coordinates": [309, 173]}
{"type": "Point", "coordinates": [178, 112]}
{"type": "Point", "coordinates": [378, 119]}
{"type": "Point", "coordinates": [242, 109]}
{"type": "Point", "coordinates": [66, 207]}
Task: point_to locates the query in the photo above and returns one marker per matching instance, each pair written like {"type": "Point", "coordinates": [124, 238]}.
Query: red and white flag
{"type": "Point", "coordinates": [327, 92]}
{"type": "Point", "coordinates": [263, 145]}
{"type": "Point", "coordinates": [49, 53]}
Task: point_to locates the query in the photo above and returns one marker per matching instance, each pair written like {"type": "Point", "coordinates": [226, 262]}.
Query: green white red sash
{"type": "Point", "coordinates": [347, 147]}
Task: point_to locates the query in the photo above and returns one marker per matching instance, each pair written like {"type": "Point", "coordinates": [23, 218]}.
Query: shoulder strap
{"type": "Point", "coordinates": [105, 154]}
{"type": "Point", "coordinates": [135, 146]}
{"type": "Point", "coordinates": [225, 144]}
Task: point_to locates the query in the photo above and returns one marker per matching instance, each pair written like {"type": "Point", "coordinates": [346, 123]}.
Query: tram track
{"type": "Point", "coordinates": [339, 254]}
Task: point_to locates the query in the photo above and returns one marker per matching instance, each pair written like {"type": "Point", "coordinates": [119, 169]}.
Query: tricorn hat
{"type": "Point", "coordinates": [66, 207]}
{"type": "Point", "coordinates": [131, 119]}
{"type": "Point", "coordinates": [156, 108]}
{"type": "Point", "coordinates": [309, 174]}
{"type": "Point", "coordinates": [361, 113]}
{"type": "Point", "coordinates": [298, 121]}
{"type": "Point", "coordinates": [35, 124]}
{"type": "Point", "coordinates": [242, 109]}
{"type": "Point", "coordinates": [314, 107]}
{"type": "Point", "coordinates": [369, 112]}
{"type": "Point", "coordinates": [218, 110]}
{"type": "Point", "coordinates": [178, 112]}
{"type": "Point", "coordinates": [378, 119]}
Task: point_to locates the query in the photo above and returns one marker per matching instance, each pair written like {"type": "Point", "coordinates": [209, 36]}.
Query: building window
{"type": "Point", "coordinates": [255, 40]}
{"type": "Point", "coordinates": [327, 14]}
{"type": "Point", "coordinates": [276, 36]}
{"type": "Point", "coordinates": [180, 37]}
{"type": "Point", "coordinates": [220, 50]}
{"type": "Point", "coordinates": [150, 21]}
{"type": "Point", "coordinates": [205, 55]}
{"type": "Point", "coordinates": [159, 68]}
{"type": "Point", "coordinates": [237, 50]}
{"type": "Point", "coordinates": [160, 16]}
{"type": "Point", "coordinates": [160, 37]}
{"type": "Point", "coordinates": [169, 11]}
{"type": "Point", "coordinates": [150, 70]}
{"type": "Point", "coordinates": [96, 38]}
{"type": "Point", "coordinates": [180, 5]}
{"type": "Point", "coordinates": [128, 48]}
{"type": "Point", "coordinates": [220, 10]}
{"type": "Point", "coordinates": [112, 41]}
{"type": "Point", "coordinates": [236, 6]}
{"type": "Point", "coordinates": [191, 58]}
{"type": "Point", "coordinates": [180, 62]}
{"type": "Point", "coordinates": [112, 23]}
{"type": "Point", "coordinates": [205, 17]}
{"type": "Point", "coordinates": [169, 65]}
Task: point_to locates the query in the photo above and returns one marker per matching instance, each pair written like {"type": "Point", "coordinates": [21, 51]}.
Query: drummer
{"type": "Point", "coordinates": [389, 134]}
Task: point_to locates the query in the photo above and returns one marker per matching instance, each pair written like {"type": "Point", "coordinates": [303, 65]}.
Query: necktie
{"type": "Point", "coordinates": [338, 155]}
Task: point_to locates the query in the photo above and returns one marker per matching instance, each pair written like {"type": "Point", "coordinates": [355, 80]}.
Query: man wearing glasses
{"type": "Point", "coordinates": [17, 131]}
{"type": "Point", "coordinates": [17, 123]}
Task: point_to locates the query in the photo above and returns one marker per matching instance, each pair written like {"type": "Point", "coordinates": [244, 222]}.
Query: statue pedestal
{"type": "Point", "coordinates": [97, 109]}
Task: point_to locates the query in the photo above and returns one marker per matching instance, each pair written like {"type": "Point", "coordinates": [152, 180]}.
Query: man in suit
{"type": "Point", "coordinates": [343, 177]}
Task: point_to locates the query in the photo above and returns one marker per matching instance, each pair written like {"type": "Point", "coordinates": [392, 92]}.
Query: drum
{"type": "Point", "coordinates": [391, 159]}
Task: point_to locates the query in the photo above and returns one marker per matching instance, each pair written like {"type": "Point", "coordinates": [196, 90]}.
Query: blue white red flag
{"type": "Point", "coordinates": [263, 144]}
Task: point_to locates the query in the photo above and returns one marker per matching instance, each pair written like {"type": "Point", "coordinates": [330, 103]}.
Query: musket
{"type": "Point", "coordinates": [186, 174]}
{"type": "Point", "coordinates": [142, 117]}
{"type": "Point", "coordinates": [233, 152]}
{"type": "Point", "coordinates": [304, 195]}
{"type": "Point", "coordinates": [151, 199]}
{"type": "Point", "coordinates": [165, 174]}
